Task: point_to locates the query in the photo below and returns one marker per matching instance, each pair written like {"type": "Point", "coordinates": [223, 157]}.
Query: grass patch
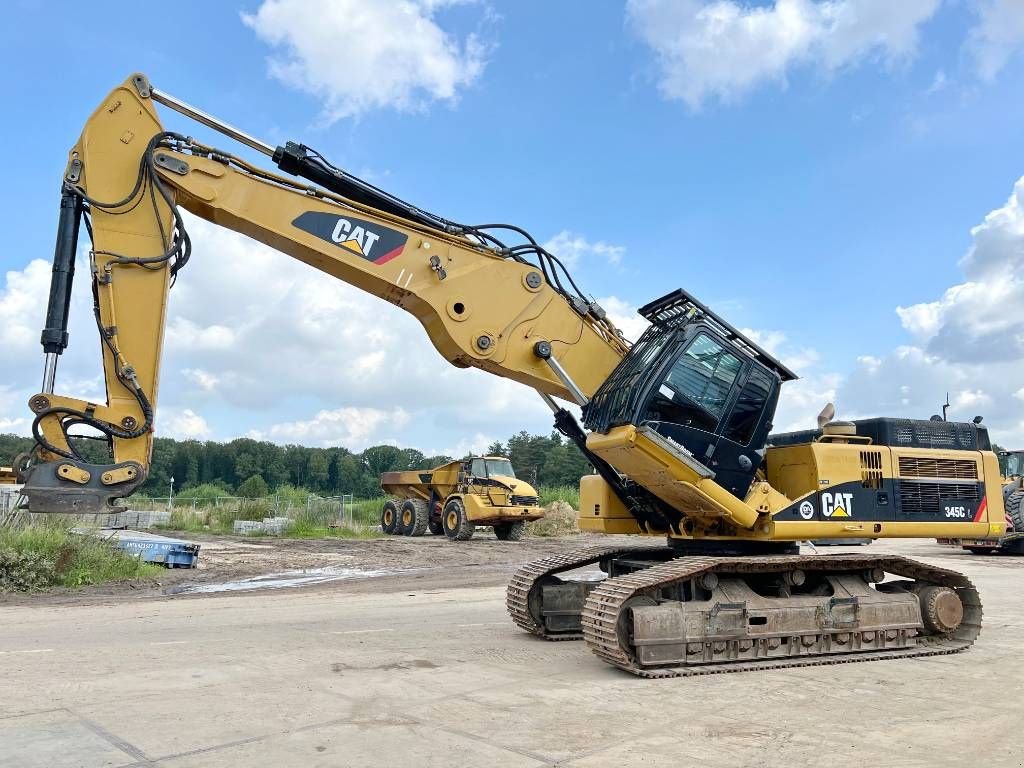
{"type": "Point", "coordinates": [367, 511]}
{"type": "Point", "coordinates": [307, 523]}
{"type": "Point", "coordinates": [306, 529]}
{"type": "Point", "coordinates": [218, 519]}
{"type": "Point", "coordinates": [39, 556]}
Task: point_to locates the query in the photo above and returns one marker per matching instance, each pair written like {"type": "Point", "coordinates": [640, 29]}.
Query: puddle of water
{"type": "Point", "coordinates": [281, 580]}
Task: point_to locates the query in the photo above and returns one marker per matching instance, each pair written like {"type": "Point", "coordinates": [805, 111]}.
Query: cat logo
{"type": "Point", "coordinates": [357, 239]}
{"type": "Point", "coordinates": [363, 238]}
{"type": "Point", "coordinates": [837, 504]}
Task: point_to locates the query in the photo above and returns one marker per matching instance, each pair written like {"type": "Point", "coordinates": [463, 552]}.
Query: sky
{"type": "Point", "coordinates": [842, 178]}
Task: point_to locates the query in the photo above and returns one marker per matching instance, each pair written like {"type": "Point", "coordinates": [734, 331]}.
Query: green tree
{"type": "Point", "coordinates": [318, 468]}
{"type": "Point", "coordinates": [384, 458]}
{"type": "Point", "coordinates": [253, 488]}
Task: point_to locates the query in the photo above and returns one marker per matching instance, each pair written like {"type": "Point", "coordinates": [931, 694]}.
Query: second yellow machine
{"type": "Point", "coordinates": [456, 498]}
{"type": "Point", "coordinates": [677, 426]}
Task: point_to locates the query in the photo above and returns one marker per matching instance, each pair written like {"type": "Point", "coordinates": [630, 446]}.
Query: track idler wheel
{"type": "Point", "coordinates": [941, 609]}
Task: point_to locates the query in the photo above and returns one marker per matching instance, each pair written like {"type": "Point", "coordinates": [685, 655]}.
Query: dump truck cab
{"type": "Point", "coordinates": [495, 478]}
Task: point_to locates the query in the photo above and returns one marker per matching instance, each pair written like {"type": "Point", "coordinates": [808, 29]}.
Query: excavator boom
{"type": "Point", "coordinates": [480, 305]}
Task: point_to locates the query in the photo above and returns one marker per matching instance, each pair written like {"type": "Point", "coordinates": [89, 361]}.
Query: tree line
{"type": "Point", "coordinates": [254, 468]}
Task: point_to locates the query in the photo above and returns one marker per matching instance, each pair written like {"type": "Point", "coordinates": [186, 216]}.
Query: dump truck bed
{"type": "Point", "coordinates": [417, 483]}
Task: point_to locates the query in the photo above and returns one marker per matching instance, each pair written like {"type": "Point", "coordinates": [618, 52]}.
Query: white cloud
{"type": "Point", "coordinates": [801, 400]}
{"type": "Point", "coordinates": [966, 399]}
{"type": "Point", "coordinates": [354, 428]}
{"type": "Point", "coordinates": [775, 343]}
{"type": "Point", "coordinates": [939, 82]}
{"type": "Point", "coordinates": [998, 35]}
{"type": "Point", "coordinates": [21, 313]}
{"type": "Point", "coordinates": [624, 317]}
{"type": "Point", "coordinates": [870, 362]}
{"type": "Point", "coordinates": [475, 444]}
{"type": "Point", "coordinates": [359, 55]}
{"type": "Point", "coordinates": [969, 342]}
{"type": "Point", "coordinates": [571, 248]}
{"type": "Point", "coordinates": [183, 424]}
{"type": "Point", "coordinates": [182, 333]}
{"type": "Point", "coordinates": [999, 240]}
{"type": "Point", "coordinates": [202, 379]}
{"type": "Point", "coordinates": [981, 320]}
{"type": "Point", "coordinates": [724, 49]}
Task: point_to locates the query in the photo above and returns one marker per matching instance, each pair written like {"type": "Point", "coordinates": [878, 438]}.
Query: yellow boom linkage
{"type": "Point", "coordinates": [478, 309]}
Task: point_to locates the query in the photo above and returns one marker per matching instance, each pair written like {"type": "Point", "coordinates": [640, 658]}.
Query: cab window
{"type": "Point", "coordinates": [745, 416]}
{"type": "Point", "coordinates": [695, 391]}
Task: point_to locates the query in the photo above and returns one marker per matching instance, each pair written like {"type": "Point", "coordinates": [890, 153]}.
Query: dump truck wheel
{"type": "Point", "coordinates": [510, 531]}
{"type": "Point", "coordinates": [457, 526]}
{"type": "Point", "coordinates": [406, 519]}
{"type": "Point", "coordinates": [414, 517]}
{"type": "Point", "coordinates": [436, 526]}
{"type": "Point", "coordinates": [389, 517]}
{"type": "Point", "coordinates": [1015, 509]}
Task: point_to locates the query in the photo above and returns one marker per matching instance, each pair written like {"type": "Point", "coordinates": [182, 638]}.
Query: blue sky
{"type": "Point", "coordinates": [805, 167]}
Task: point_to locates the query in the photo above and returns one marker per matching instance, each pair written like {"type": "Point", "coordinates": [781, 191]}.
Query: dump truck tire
{"type": "Point", "coordinates": [414, 517]}
{"type": "Point", "coordinates": [389, 517]}
{"type": "Point", "coordinates": [510, 531]}
{"type": "Point", "coordinates": [406, 519]}
{"type": "Point", "coordinates": [457, 526]}
{"type": "Point", "coordinates": [1015, 510]}
{"type": "Point", "coordinates": [436, 526]}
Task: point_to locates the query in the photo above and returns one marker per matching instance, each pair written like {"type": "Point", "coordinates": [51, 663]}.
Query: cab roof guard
{"type": "Point", "coordinates": [679, 308]}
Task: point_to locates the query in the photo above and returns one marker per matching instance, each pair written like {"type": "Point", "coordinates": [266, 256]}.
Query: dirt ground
{"type": "Point", "coordinates": [239, 563]}
{"type": "Point", "coordinates": [405, 655]}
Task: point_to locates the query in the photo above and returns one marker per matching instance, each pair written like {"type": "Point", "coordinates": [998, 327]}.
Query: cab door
{"type": "Point", "coordinates": [713, 401]}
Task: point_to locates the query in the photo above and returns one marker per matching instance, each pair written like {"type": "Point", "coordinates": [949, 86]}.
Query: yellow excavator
{"type": "Point", "coordinates": [677, 426]}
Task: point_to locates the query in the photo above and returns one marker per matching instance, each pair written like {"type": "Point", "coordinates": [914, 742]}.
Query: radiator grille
{"type": "Point", "coordinates": [524, 501]}
{"type": "Point", "coordinates": [871, 469]}
{"type": "Point", "coordinates": [919, 497]}
{"type": "Point", "coordinates": [950, 469]}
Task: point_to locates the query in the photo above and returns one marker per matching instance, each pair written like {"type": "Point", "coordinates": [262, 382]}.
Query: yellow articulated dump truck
{"type": "Point", "coordinates": [455, 498]}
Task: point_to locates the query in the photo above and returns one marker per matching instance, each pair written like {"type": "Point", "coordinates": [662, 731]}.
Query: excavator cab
{"type": "Point", "coordinates": [700, 383]}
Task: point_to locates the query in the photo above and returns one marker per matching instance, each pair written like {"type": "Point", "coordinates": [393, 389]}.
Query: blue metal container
{"type": "Point", "coordinates": [171, 553]}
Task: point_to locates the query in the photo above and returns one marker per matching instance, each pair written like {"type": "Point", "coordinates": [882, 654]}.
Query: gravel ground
{"type": "Point", "coordinates": [229, 561]}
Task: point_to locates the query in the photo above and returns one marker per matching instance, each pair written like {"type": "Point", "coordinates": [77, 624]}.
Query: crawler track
{"type": "Point", "coordinates": [530, 576]}
{"type": "Point", "coordinates": [606, 602]}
